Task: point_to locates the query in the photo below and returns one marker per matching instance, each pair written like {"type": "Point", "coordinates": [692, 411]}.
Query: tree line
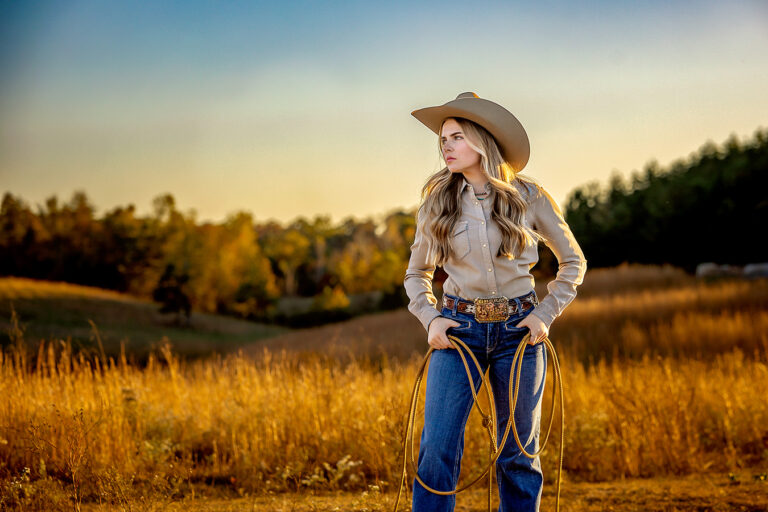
{"type": "Point", "coordinates": [238, 266]}
{"type": "Point", "coordinates": [709, 208]}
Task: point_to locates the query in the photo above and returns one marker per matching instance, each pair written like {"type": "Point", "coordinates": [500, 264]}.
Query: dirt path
{"type": "Point", "coordinates": [715, 492]}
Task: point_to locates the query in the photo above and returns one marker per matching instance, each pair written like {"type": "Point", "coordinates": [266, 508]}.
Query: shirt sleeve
{"type": "Point", "coordinates": [548, 220]}
{"type": "Point", "coordinates": [418, 278]}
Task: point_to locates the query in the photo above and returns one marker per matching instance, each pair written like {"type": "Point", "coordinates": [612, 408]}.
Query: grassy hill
{"type": "Point", "coordinates": [631, 303]}
{"type": "Point", "coordinates": [51, 310]}
{"type": "Point", "coordinates": [614, 302]}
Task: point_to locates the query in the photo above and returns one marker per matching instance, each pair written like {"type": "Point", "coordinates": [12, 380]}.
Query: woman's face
{"type": "Point", "coordinates": [457, 154]}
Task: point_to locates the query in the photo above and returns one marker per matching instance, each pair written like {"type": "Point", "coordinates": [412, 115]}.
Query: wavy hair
{"type": "Point", "coordinates": [441, 201]}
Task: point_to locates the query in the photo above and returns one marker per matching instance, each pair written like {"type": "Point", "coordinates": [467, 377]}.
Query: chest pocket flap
{"type": "Point", "coordinates": [460, 239]}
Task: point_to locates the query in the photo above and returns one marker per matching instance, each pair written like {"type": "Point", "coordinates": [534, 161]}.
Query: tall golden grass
{"type": "Point", "coordinates": [101, 429]}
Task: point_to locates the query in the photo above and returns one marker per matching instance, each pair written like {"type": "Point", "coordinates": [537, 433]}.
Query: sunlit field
{"type": "Point", "coordinates": [665, 377]}
{"type": "Point", "coordinates": [627, 312]}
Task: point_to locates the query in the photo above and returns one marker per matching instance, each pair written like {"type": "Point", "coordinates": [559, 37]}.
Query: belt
{"type": "Point", "coordinates": [491, 309]}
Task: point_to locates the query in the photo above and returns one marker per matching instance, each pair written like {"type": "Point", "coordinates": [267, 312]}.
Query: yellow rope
{"type": "Point", "coordinates": [489, 420]}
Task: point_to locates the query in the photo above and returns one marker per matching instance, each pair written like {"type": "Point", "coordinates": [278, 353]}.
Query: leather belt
{"type": "Point", "coordinates": [491, 309]}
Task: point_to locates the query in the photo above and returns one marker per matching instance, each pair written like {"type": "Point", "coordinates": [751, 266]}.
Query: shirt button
{"type": "Point", "coordinates": [482, 222]}
{"type": "Point", "coordinates": [489, 270]}
{"type": "Point", "coordinates": [494, 293]}
{"type": "Point", "coordinates": [484, 245]}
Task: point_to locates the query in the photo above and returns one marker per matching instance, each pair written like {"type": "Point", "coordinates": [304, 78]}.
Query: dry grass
{"type": "Point", "coordinates": [617, 280]}
{"type": "Point", "coordinates": [92, 430]}
{"type": "Point", "coordinates": [673, 316]}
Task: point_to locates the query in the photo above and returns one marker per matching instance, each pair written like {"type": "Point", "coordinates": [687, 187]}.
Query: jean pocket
{"type": "Point", "coordinates": [511, 328]}
{"type": "Point", "coordinates": [510, 325]}
{"type": "Point", "coordinates": [465, 325]}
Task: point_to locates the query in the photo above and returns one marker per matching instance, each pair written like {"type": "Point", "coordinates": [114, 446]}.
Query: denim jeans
{"type": "Point", "coordinates": [449, 401]}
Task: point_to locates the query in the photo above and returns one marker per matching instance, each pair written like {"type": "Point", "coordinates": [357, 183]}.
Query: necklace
{"type": "Point", "coordinates": [484, 194]}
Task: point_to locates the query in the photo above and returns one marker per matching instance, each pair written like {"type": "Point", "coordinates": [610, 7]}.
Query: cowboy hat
{"type": "Point", "coordinates": [505, 128]}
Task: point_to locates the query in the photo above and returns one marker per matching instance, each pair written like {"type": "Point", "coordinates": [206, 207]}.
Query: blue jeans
{"type": "Point", "coordinates": [449, 400]}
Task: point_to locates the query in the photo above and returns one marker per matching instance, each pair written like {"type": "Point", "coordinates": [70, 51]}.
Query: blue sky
{"type": "Point", "coordinates": [303, 108]}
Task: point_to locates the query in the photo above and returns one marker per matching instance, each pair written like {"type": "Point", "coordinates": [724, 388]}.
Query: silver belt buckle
{"type": "Point", "coordinates": [491, 309]}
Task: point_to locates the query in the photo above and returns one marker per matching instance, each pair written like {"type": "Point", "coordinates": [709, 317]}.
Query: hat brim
{"type": "Point", "coordinates": [502, 124]}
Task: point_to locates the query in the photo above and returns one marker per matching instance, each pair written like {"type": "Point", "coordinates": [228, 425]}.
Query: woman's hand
{"type": "Point", "coordinates": [538, 328]}
{"type": "Point", "coordinates": [437, 337]}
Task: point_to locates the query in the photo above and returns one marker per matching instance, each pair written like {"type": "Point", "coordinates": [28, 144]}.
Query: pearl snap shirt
{"type": "Point", "coordinates": [474, 270]}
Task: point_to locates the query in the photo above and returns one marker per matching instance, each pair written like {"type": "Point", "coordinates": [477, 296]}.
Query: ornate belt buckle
{"type": "Point", "coordinates": [491, 309]}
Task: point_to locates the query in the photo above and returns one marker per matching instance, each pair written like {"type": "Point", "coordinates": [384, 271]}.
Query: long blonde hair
{"type": "Point", "coordinates": [441, 201]}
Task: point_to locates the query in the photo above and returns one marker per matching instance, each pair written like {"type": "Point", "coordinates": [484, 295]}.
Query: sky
{"type": "Point", "coordinates": [297, 109]}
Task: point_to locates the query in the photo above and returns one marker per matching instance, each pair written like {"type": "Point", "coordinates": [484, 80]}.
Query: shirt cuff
{"type": "Point", "coordinates": [544, 312]}
{"type": "Point", "coordinates": [427, 316]}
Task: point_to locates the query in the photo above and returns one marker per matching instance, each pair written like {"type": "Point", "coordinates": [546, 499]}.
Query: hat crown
{"type": "Point", "coordinates": [509, 134]}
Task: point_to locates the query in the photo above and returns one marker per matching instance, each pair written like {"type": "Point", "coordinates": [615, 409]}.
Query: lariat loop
{"type": "Point", "coordinates": [489, 420]}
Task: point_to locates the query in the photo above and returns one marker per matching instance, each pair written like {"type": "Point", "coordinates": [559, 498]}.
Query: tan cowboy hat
{"type": "Point", "coordinates": [505, 128]}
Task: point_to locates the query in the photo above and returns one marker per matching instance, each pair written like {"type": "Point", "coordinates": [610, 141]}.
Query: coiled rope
{"type": "Point", "coordinates": [489, 420]}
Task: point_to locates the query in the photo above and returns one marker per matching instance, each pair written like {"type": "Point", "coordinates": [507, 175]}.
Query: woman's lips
{"type": "Point", "coordinates": [449, 159]}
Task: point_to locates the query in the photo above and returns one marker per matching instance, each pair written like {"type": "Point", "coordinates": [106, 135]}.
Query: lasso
{"type": "Point", "coordinates": [489, 420]}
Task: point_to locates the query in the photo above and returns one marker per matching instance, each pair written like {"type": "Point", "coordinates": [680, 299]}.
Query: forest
{"type": "Point", "coordinates": [707, 208]}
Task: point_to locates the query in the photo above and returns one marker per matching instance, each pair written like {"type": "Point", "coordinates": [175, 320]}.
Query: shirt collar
{"type": "Point", "coordinates": [464, 184]}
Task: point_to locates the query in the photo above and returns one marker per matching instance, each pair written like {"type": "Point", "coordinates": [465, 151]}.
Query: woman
{"type": "Point", "coordinates": [481, 221]}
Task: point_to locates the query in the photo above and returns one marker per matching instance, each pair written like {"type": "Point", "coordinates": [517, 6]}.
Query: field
{"type": "Point", "coordinates": [665, 378]}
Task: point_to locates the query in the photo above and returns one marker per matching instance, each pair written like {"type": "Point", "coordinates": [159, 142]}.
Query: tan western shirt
{"type": "Point", "coordinates": [474, 271]}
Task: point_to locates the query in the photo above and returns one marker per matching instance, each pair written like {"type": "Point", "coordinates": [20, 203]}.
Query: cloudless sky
{"type": "Point", "coordinates": [289, 109]}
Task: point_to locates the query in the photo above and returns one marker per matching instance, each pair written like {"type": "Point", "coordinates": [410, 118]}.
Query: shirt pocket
{"type": "Point", "coordinates": [460, 239]}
